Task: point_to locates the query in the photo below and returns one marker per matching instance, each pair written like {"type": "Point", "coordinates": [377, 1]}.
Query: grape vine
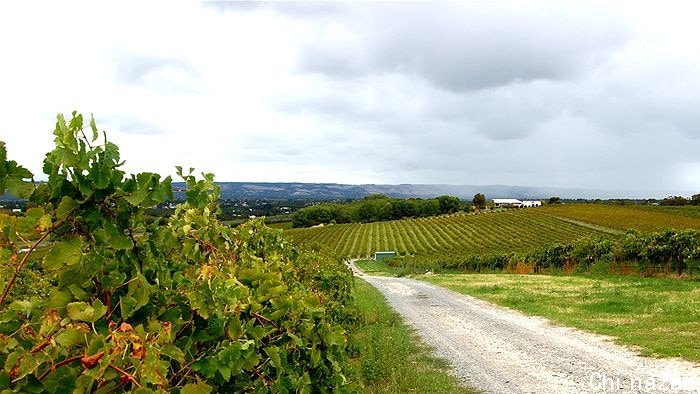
{"type": "Point", "coordinates": [180, 305]}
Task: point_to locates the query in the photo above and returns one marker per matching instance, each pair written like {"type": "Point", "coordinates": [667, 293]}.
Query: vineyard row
{"type": "Point", "coordinates": [515, 231]}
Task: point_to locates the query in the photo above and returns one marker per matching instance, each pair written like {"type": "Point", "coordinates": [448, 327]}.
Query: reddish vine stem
{"type": "Point", "coordinates": [263, 318]}
{"type": "Point", "coordinates": [126, 375]}
{"type": "Point", "coordinates": [12, 280]}
{"type": "Point", "coordinates": [46, 342]}
{"type": "Point", "coordinates": [60, 364]}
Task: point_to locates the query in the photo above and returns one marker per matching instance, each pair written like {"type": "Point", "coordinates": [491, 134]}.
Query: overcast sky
{"type": "Point", "coordinates": [566, 94]}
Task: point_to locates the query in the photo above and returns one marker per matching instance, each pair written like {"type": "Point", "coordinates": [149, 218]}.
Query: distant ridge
{"type": "Point", "coordinates": [336, 191]}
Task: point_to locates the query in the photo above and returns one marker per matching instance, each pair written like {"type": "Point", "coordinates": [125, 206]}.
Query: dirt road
{"type": "Point", "coordinates": [499, 350]}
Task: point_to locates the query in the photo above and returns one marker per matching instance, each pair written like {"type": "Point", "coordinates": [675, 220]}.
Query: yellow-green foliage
{"type": "Point", "coordinates": [647, 218]}
{"type": "Point", "coordinates": [511, 231]}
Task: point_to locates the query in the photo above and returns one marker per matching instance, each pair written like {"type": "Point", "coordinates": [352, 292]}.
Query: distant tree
{"type": "Point", "coordinates": [300, 219]}
{"type": "Point", "coordinates": [695, 199]}
{"type": "Point", "coordinates": [402, 209]}
{"type": "Point", "coordinates": [449, 204]}
{"type": "Point", "coordinates": [479, 201]}
{"type": "Point", "coordinates": [366, 213]}
{"type": "Point", "coordinates": [428, 207]}
{"type": "Point", "coordinates": [676, 201]}
{"type": "Point", "coordinates": [554, 200]}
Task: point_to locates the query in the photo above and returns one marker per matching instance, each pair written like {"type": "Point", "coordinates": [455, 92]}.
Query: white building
{"type": "Point", "coordinates": [513, 203]}
{"type": "Point", "coordinates": [507, 203]}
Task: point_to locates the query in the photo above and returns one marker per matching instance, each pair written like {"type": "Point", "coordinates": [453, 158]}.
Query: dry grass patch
{"type": "Point", "coordinates": [625, 217]}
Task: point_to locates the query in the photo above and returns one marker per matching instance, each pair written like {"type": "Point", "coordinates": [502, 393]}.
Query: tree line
{"type": "Point", "coordinates": [680, 200]}
{"type": "Point", "coordinates": [376, 208]}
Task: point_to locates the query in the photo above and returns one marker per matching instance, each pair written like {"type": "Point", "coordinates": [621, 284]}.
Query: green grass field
{"type": "Point", "coordinates": [623, 217]}
{"type": "Point", "coordinates": [659, 316]}
{"type": "Point", "coordinates": [371, 267]}
{"type": "Point", "coordinates": [517, 231]}
{"type": "Point", "coordinates": [391, 358]}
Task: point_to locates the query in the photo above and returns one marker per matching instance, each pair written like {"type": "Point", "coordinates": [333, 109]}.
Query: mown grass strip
{"type": "Point", "coordinates": [371, 267]}
{"type": "Point", "coordinates": [392, 359]}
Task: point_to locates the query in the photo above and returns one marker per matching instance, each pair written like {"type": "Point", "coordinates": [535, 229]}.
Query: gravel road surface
{"type": "Point", "coordinates": [499, 350]}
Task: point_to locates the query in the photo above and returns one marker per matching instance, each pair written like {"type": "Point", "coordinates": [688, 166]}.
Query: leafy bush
{"type": "Point", "coordinates": [188, 305]}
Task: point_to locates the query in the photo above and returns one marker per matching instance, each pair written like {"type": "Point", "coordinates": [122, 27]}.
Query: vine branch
{"type": "Point", "coordinates": [59, 364]}
{"type": "Point", "coordinates": [126, 375]}
{"type": "Point", "coordinates": [12, 280]}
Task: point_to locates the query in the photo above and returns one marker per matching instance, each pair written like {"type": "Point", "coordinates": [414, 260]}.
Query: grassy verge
{"type": "Point", "coordinates": [390, 358]}
{"type": "Point", "coordinates": [657, 316]}
{"type": "Point", "coordinates": [371, 267]}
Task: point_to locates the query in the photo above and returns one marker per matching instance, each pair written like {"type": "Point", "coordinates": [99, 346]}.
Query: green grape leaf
{"type": "Point", "coordinates": [93, 127]}
{"type": "Point", "coordinates": [234, 328]}
{"type": "Point", "coordinates": [196, 388]}
{"type": "Point", "coordinates": [59, 299]}
{"type": "Point", "coordinates": [70, 337]}
{"type": "Point", "coordinates": [67, 252]}
{"type": "Point", "coordinates": [128, 306]}
{"type": "Point", "coordinates": [101, 176]}
{"type": "Point", "coordinates": [20, 188]}
{"type": "Point", "coordinates": [274, 353]}
{"type": "Point", "coordinates": [117, 238]}
{"type": "Point", "coordinates": [66, 207]}
{"type": "Point", "coordinates": [82, 311]}
{"type": "Point", "coordinates": [45, 222]}
{"type": "Point", "coordinates": [315, 357]}
{"type": "Point", "coordinates": [23, 306]}
{"type": "Point", "coordinates": [173, 352]}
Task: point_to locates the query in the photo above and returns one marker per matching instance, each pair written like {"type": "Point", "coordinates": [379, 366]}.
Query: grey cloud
{"type": "Point", "coordinates": [634, 114]}
{"type": "Point", "coordinates": [298, 9]}
{"type": "Point", "coordinates": [234, 6]}
{"type": "Point", "coordinates": [132, 68]}
{"type": "Point", "coordinates": [131, 125]}
{"type": "Point", "coordinates": [394, 105]}
{"type": "Point", "coordinates": [465, 46]}
{"type": "Point", "coordinates": [161, 73]}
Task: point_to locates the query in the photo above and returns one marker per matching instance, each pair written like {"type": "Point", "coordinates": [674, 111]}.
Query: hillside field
{"type": "Point", "coordinates": [623, 217]}
{"type": "Point", "coordinates": [496, 232]}
{"type": "Point", "coordinates": [518, 231]}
